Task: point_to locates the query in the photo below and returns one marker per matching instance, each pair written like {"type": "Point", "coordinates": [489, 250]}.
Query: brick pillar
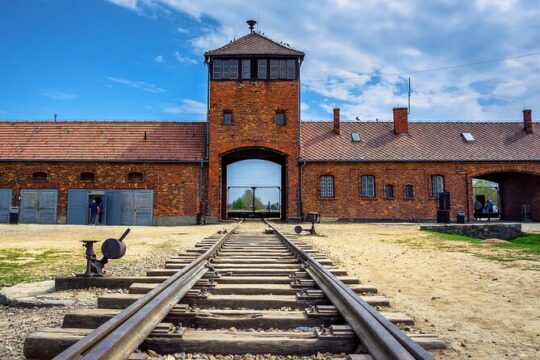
{"type": "Point", "coordinates": [336, 121]}
{"type": "Point", "coordinates": [527, 121]}
{"type": "Point", "coordinates": [401, 120]}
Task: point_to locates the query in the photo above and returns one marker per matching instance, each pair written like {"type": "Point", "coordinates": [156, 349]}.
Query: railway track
{"type": "Point", "coordinates": [238, 293]}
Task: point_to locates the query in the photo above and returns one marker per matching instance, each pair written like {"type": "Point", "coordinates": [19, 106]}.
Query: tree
{"type": "Point", "coordinates": [245, 202]}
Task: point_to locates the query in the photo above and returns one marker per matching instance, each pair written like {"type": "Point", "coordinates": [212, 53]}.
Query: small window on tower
{"type": "Point", "coordinates": [233, 69]}
{"type": "Point", "coordinates": [246, 69]}
{"type": "Point", "coordinates": [291, 69]}
{"type": "Point", "coordinates": [274, 69]}
{"type": "Point", "coordinates": [261, 69]}
{"type": "Point", "coordinates": [283, 69]}
{"type": "Point", "coordinates": [218, 69]}
{"type": "Point", "coordinates": [280, 118]}
{"type": "Point", "coordinates": [227, 117]}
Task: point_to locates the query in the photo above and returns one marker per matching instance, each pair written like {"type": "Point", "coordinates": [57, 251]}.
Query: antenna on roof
{"type": "Point", "coordinates": [251, 24]}
{"type": "Point", "coordinates": [55, 116]}
{"type": "Point", "coordinates": [409, 100]}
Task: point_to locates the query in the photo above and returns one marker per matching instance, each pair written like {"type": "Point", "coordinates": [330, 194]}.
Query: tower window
{"type": "Point", "coordinates": [88, 176]}
{"type": "Point", "coordinates": [368, 186]}
{"type": "Point", "coordinates": [227, 117]}
{"type": "Point", "coordinates": [39, 176]}
{"type": "Point", "coordinates": [326, 186]}
{"type": "Point", "coordinates": [280, 118]}
{"type": "Point", "coordinates": [135, 176]}
{"type": "Point", "coordinates": [274, 69]}
{"type": "Point", "coordinates": [225, 69]}
{"type": "Point", "coordinates": [246, 69]}
{"type": "Point", "coordinates": [291, 69]}
{"type": "Point", "coordinates": [261, 68]}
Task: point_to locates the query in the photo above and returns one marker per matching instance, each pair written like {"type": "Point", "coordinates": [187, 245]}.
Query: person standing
{"type": "Point", "coordinates": [478, 206]}
{"type": "Point", "coordinates": [94, 211]}
{"type": "Point", "coordinates": [489, 208]}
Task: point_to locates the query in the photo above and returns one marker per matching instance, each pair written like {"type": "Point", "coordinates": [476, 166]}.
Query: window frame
{"type": "Point", "coordinates": [259, 67]}
{"type": "Point", "coordinates": [244, 68]}
{"type": "Point", "coordinates": [405, 196]}
{"type": "Point", "coordinates": [374, 187]}
{"type": "Point", "coordinates": [40, 179]}
{"type": "Point", "coordinates": [131, 177]}
{"type": "Point", "coordinates": [324, 187]}
{"type": "Point", "coordinates": [230, 113]}
{"type": "Point", "coordinates": [83, 173]}
{"type": "Point", "coordinates": [280, 112]}
{"type": "Point", "coordinates": [389, 186]}
{"type": "Point", "coordinates": [432, 183]}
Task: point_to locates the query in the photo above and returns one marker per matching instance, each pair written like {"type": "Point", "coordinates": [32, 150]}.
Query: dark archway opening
{"type": "Point", "coordinates": [516, 195]}
{"type": "Point", "coordinates": [253, 184]}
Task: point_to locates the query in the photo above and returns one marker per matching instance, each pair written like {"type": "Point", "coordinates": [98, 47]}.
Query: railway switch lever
{"type": "Point", "coordinates": [111, 249]}
{"type": "Point", "coordinates": [312, 217]}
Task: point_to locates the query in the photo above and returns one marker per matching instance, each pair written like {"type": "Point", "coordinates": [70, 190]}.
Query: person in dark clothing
{"type": "Point", "coordinates": [478, 206]}
{"type": "Point", "coordinates": [94, 211]}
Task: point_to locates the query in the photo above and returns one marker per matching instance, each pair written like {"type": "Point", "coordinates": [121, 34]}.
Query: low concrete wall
{"type": "Point", "coordinates": [481, 231]}
{"type": "Point", "coordinates": [174, 220]}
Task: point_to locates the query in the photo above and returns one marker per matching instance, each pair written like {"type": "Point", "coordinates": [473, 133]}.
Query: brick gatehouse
{"type": "Point", "coordinates": [168, 173]}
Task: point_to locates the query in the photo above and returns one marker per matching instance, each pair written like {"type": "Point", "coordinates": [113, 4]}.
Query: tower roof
{"type": "Point", "coordinates": [254, 44]}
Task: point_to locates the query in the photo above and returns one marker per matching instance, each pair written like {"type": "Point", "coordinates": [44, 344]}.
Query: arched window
{"type": "Point", "coordinates": [389, 191]}
{"type": "Point", "coordinates": [437, 185]}
{"type": "Point", "coordinates": [135, 176]}
{"type": "Point", "coordinates": [326, 186]}
{"type": "Point", "coordinates": [39, 176]}
{"type": "Point", "coordinates": [368, 186]}
{"type": "Point", "coordinates": [88, 176]}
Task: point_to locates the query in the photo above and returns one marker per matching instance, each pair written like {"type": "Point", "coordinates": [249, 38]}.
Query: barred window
{"type": "Point", "coordinates": [227, 117]}
{"type": "Point", "coordinates": [327, 186]}
{"type": "Point", "coordinates": [389, 191]}
{"type": "Point", "coordinates": [261, 68]}
{"type": "Point", "coordinates": [368, 186]}
{"type": "Point", "coordinates": [282, 69]}
{"type": "Point", "coordinates": [437, 185]}
{"type": "Point", "coordinates": [280, 118]}
{"type": "Point", "coordinates": [225, 69]}
{"type": "Point", "coordinates": [408, 191]}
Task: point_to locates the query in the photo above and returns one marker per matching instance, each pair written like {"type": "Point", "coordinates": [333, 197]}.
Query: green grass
{"type": "Point", "coordinates": [527, 242]}
{"type": "Point", "coordinates": [18, 265]}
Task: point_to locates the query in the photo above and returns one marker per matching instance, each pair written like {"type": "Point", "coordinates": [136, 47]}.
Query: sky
{"type": "Point", "coordinates": [143, 59]}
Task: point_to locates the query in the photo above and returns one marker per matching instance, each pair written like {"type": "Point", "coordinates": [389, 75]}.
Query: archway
{"type": "Point", "coordinates": [253, 184]}
{"type": "Point", "coordinates": [515, 194]}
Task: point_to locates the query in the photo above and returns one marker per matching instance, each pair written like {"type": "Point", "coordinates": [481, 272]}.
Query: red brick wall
{"type": "Point", "coordinates": [348, 203]}
{"type": "Point", "coordinates": [176, 186]}
{"type": "Point", "coordinates": [253, 104]}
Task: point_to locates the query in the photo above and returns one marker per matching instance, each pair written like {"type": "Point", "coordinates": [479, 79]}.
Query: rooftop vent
{"type": "Point", "coordinates": [468, 137]}
{"type": "Point", "coordinates": [355, 137]}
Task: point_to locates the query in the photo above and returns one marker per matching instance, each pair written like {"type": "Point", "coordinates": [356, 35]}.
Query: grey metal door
{"type": "Point", "coordinates": [38, 206]}
{"type": "Point", "coordinates": [77, 209]}
{"type": "Point", "coordinates": [5, 203]}
{"type": "Point", "coordinates": [136, 207]}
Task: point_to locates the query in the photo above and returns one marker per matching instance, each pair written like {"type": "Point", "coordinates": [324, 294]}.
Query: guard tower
{"type": "Point", "coordinates": [253, 113]}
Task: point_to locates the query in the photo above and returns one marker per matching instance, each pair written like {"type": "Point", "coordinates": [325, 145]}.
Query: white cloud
{"type": "Point", "coordinates": [186, 106]}
{"type": "Point", "coordinates": [345, 39]}
{"type": "Point", "coordinates": [141, 85]}
{"type": "Point", "coordinates": [128, 4]}
{"type": "Point", "coordinates": [184, 59]}
{"type": "Point", "coordinates": [182, 30]}
{"type": "Point", "coordinates": [60, 95]}
{"type": "Point", "coordinates": [158, 59]}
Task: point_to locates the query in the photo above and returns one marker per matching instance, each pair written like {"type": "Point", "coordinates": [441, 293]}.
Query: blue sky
{"type": "Point", "coordinates": [142, 59]}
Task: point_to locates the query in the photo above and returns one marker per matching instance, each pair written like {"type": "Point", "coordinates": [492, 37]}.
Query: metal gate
{"type": "Point", "coordinates": [253, 202]}
{"type": "Point", "coordinates": [38, 206]}
{"type": "Point", "coordinates": [130, 207]}
{"type": "Point", "coordinates": [5, 203]}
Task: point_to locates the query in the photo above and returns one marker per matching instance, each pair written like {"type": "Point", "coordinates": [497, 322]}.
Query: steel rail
{"type": "Point", "coordinates": [119, 337]}
{"type": "Point", "coordinates": [381, 338]}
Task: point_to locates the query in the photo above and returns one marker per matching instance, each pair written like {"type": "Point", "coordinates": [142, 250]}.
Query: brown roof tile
{"type": "Point", "coordinates": [426, 141]}
{"type": "Point", "coordinates": [102, 141]}
{"type": "Point", "coordinates": [254, 44]}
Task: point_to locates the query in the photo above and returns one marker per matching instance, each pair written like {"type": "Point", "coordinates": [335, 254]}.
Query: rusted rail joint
{"type": "Point", "coordinates": [119, 337]}
{"type": "Point", "coordinates": [382, 339]}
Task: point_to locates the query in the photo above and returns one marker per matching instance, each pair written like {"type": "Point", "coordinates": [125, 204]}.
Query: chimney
{"type": "Point", "coordinates": [336, 121]}
{"type": "Point", "coordinates": [401, 120]}
{"type": "Point", "coordinates": [527, 121]}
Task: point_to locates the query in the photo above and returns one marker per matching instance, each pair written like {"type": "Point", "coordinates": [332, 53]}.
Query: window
{"type": "Point", "coordinates": [246, 69]}
{"type": "Point", "coordinates": [261, 69]}
{"type": "Point", "coordinates": [227, 117]}
{"type": "Point", "coordinates": [389, 191]}
{"type": "Point", "coordinates": [327, 186]}
{"type": "Point", "coordinates": [468, 137]}
{"type": "Point", "coordinates": [225, 69]}
{"type": "Point", "coordinates": [280, 118]}
{"type": "Point", "coordinates": [88, 176]}
{"type": "Point", "coordinates": [355, 137]}
{"type": "Point", "coordinates": [135, 176]}
{"type": "Point", "coordinates": [437, 185]}
{"type": "Point", "coordinates": [282, 69]}
{"type": "Point", "coordinates": [368, 186]}
{"type": "Point", "coordinates": [291, 69]}
{"type": "Point", "coordinates": [408, 191]}
{"type": "Point", "coordinates": [39, 176]}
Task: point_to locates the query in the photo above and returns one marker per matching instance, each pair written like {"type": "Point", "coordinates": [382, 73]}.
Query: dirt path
{"type": "Point", "coordinates": [482, 308]}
